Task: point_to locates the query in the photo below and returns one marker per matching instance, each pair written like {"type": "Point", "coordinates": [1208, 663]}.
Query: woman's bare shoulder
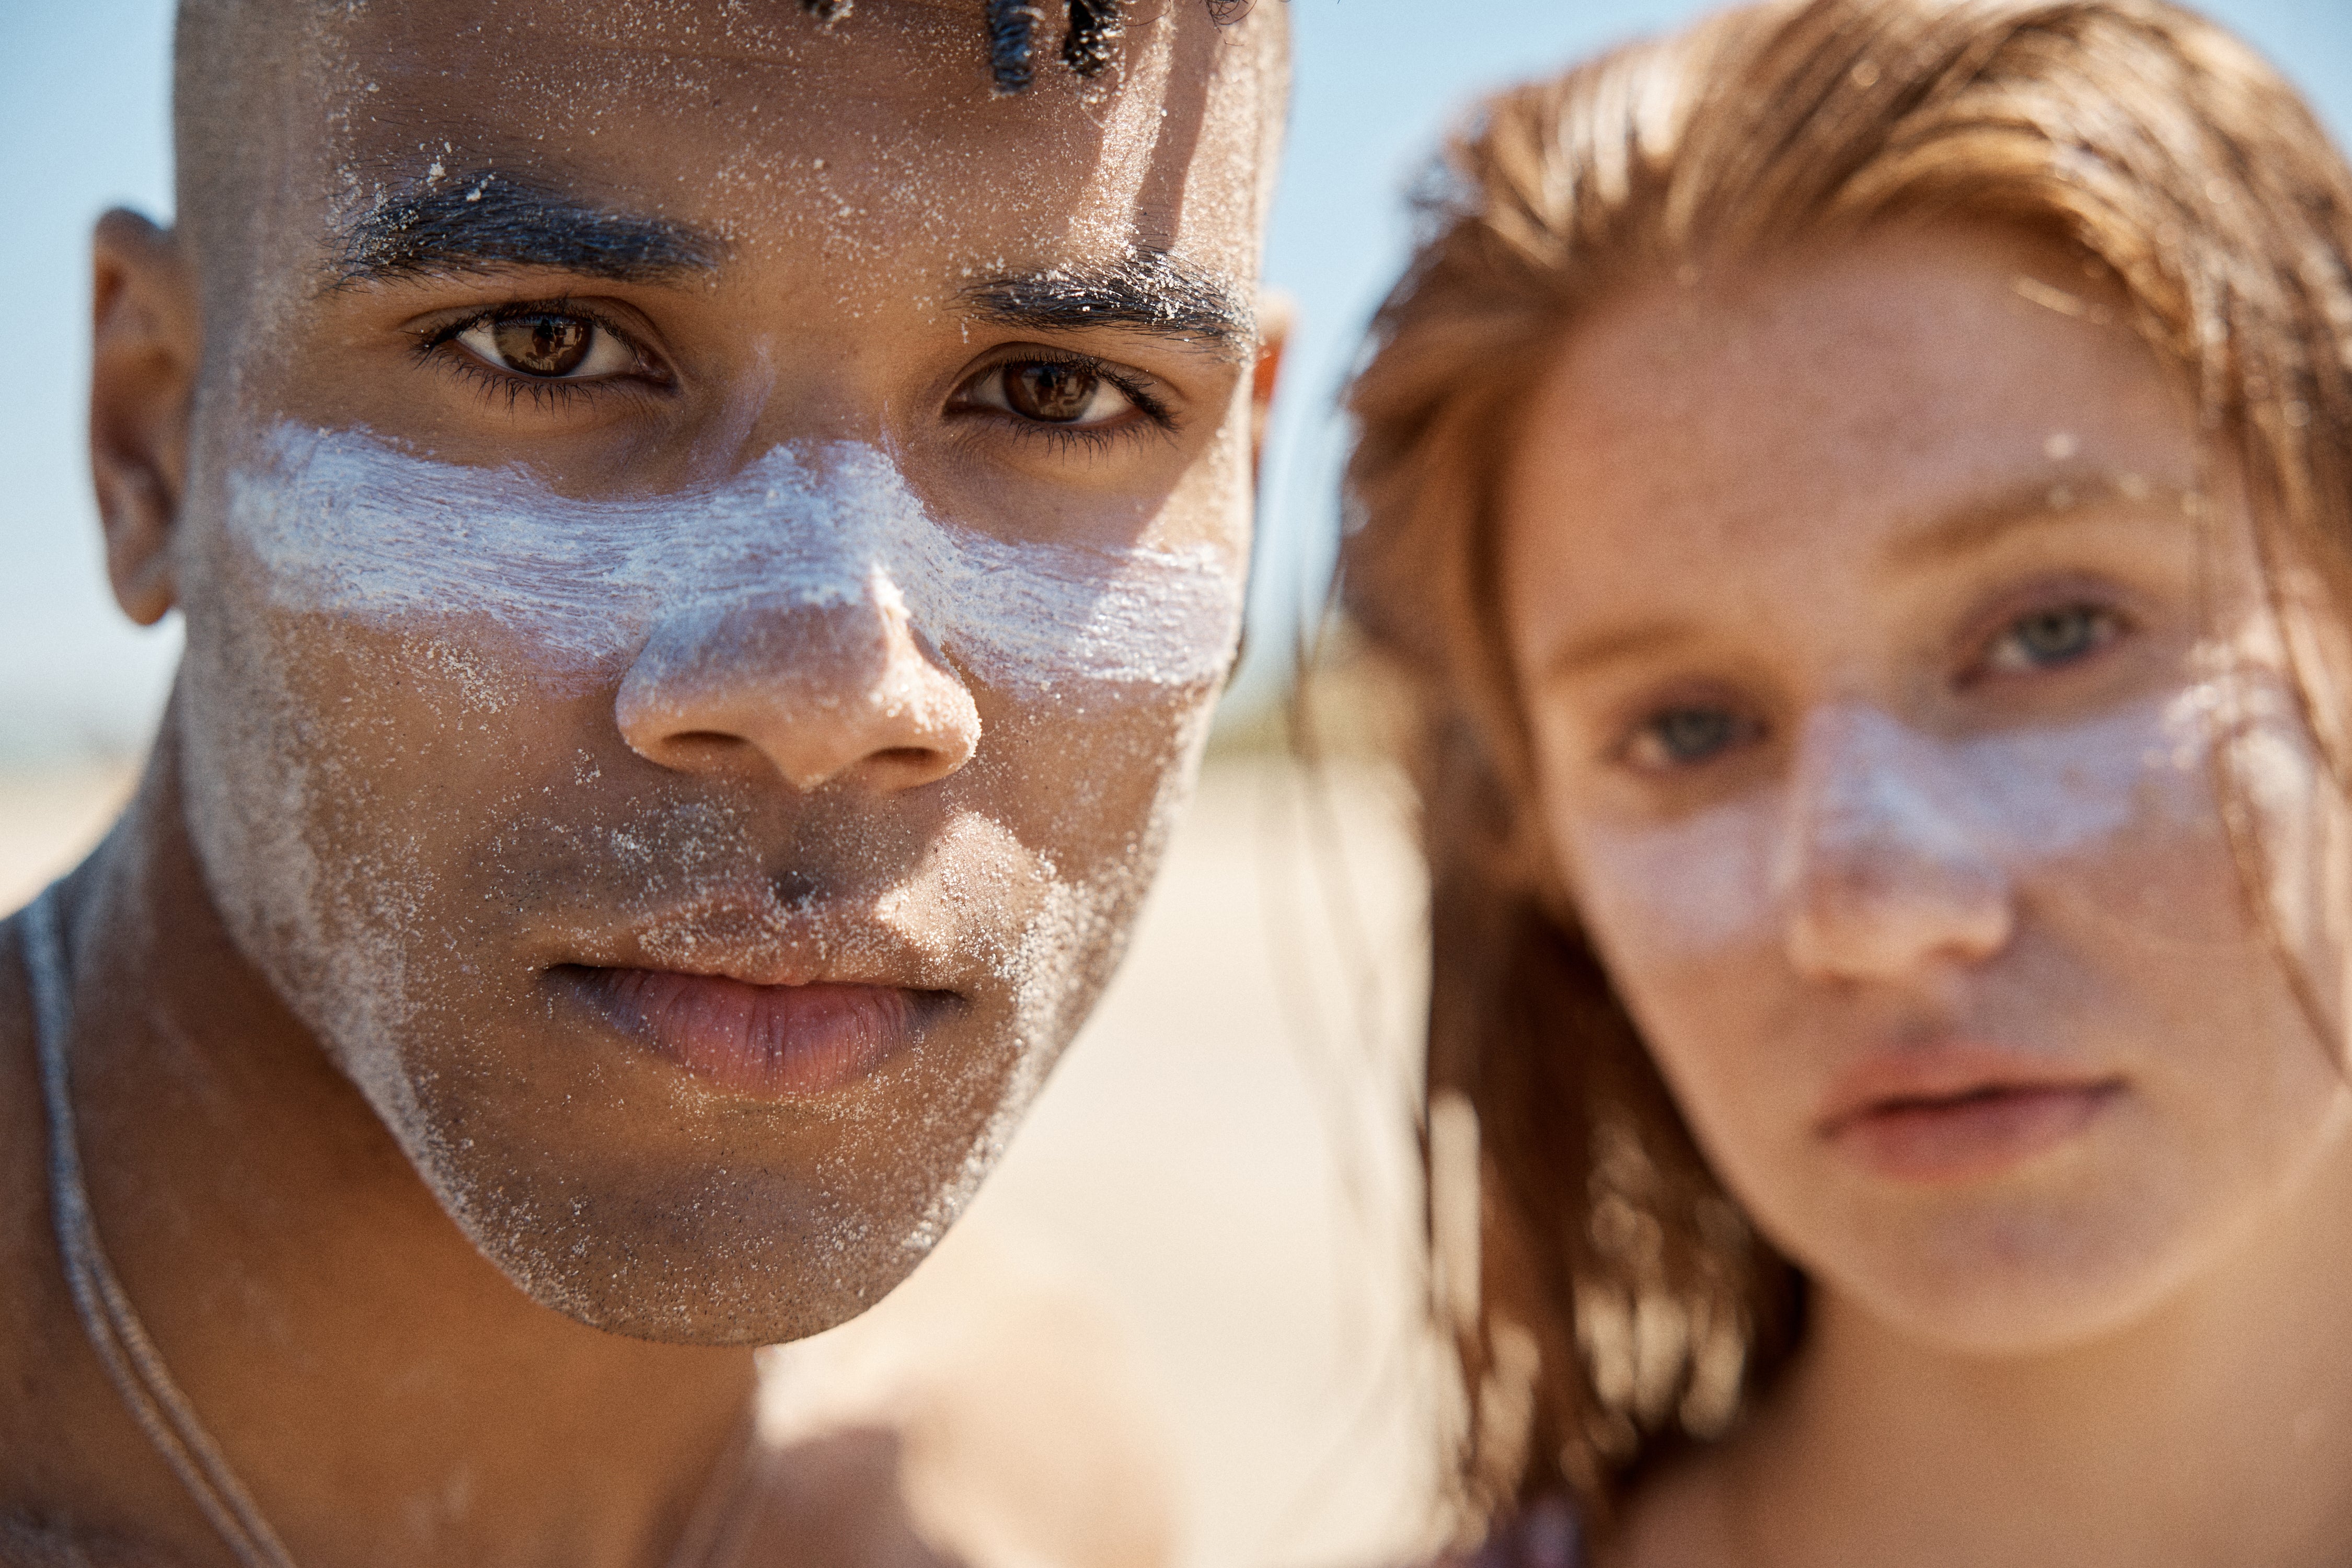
{"type": "Point", "coordinates": [1545, 1536]}
{"type": "Point", "coordinates": [1680, 1517]}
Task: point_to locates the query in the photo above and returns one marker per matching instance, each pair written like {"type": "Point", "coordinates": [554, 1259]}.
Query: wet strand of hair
{"type": "Point", "coordinates": [1012, 28]}
{"type": "Point", "coordinates": [1013, 42]}
{"type": "Point", "coordinates": [1085, 48]}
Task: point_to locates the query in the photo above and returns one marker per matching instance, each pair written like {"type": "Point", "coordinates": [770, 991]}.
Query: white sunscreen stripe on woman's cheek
{"type": "Point", "coordinates": [345, 525]}
{"type": "Point", "coordinates": [1695, 884]}
{"type": "Point", "coordinates": [2027, 800]}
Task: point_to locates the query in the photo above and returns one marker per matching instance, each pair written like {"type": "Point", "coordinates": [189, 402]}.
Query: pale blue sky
{"type": "Point", "coordinates": [82, 124]}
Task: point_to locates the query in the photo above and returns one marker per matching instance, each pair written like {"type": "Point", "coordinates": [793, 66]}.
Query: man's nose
{"type": "Point", "coordinates": [1881, 873]}
{"type": "Point", "coordinates": [841, 691]}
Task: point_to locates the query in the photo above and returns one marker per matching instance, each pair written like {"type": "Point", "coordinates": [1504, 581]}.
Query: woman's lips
{"type": "Point", "coordinates": [772, 1042]}
{"type": "Point", "coordinates": [1958, 1114]}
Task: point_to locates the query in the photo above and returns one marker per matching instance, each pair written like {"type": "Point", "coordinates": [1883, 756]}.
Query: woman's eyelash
{"type": "Point", "coordinates": [1685, 736]}
{"type": "Point", "coordinates": [2052, 636]}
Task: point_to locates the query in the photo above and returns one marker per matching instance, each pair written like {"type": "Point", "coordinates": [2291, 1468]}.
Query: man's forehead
{"type": "Point", "coordinates": [529, 46]}
{"type": "Point", "coordinates": [880, 128]}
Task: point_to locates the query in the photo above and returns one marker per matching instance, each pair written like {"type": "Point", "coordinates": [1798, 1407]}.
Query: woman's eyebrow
{"type": "Point", "coordinates": [2036, 503]}
{"type": "Point", "coordinates": [488, 221]}
{"type": "Point", "coordinates": [1149, 291]}
{"type": "Point", "coordinates": [1596, 651]}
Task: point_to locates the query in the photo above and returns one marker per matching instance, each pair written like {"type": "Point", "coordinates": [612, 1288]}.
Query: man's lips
{"type": "Point", "coordinates": [1958, 1112]}
{"type": "Point", "coordinates": [771, 1042]}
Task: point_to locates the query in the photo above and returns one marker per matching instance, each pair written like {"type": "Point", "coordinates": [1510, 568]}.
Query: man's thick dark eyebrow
{"type": "Point", "coordinates": [490, 221]}
{"type": "Point", "coordinates": [1150, 292]}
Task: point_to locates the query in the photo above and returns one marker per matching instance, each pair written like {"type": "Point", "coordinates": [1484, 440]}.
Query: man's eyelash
{"type": "Point", "coordinates": [436, 346]}
{"type": "Point", "coordinates": [544, 393]}
{"type": "Point", "coordinates": [1152, 407]}
{"type": "Point", "coordinates": [1157, 415]}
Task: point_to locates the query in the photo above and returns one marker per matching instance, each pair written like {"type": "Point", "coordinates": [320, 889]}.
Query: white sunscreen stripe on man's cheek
{"type": "Point", "coordinates": [345, 525]}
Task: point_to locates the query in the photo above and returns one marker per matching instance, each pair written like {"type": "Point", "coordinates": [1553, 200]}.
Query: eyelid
{"type": "Point", "coordinates": [1987, 627]}
{"type": "Point", "coordinates": [1628, 721]}
{"type": "Point", "coordinates": [1140, 389]}
{"type": "Point", "coordinates": [1746, 729]}
{"type": "Point", "coordinates": [437, 343]}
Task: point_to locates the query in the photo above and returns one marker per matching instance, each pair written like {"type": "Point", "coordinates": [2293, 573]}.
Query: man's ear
{"type": "Point", "coordinates": [146, 339]}
{"type": "Point", "coordinates": [1275, 311]}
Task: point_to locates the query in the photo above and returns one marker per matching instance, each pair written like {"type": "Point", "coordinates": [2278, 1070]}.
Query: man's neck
{"type": "Point", "coordinates": [386, 1394]}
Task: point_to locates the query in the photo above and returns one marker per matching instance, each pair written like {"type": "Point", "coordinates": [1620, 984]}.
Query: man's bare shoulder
{"type": "Point", "coordinates": [26, 1255]}
{"type": "Point", "coordinates": [40, 1370]}
{"type": "Point", "coordinates": [26, 1545]}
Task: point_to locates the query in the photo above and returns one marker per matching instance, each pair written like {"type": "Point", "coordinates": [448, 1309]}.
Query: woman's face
{"type": "Point", "coordinates": [1883, 642]}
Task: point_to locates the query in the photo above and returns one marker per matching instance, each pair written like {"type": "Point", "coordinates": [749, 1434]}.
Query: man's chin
{"type": "Point", "coordinates": [761, 1262]}
{"type": "Point", "coordinates": [771, 1320]}
{"type": "Point", "coordinates": [690, 1301]}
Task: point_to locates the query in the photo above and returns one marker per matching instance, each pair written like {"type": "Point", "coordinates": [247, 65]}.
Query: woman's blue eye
{"type": "Point", "coordinates": [2049, 637]}
{"type": "Point", "coordinates": [1679, 737]}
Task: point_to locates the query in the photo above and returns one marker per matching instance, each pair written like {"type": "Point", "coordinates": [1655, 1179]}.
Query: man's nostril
{"type": "Point", "coordinates": [691, 748]}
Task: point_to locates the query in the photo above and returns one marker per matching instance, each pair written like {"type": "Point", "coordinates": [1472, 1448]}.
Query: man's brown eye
{"type": "Point", "coordinates": [550, 346]}
{"type": "Point", "coordinates": [1072, 394]}
{"type": "Point", "coordinates": [542, 346]}
{"type": "Point", "coordinates": [1055, 394]}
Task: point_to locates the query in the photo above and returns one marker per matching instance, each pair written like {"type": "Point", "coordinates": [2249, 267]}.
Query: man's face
{"type": "Point", "coordinates": [711, 542]}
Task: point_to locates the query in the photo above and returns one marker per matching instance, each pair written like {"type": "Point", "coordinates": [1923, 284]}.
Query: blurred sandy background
{"type": "Point", "coordinates": [1216, 1185]}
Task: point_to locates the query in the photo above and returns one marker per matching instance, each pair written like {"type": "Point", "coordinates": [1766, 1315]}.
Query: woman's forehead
{"type": "Point", "coordinates": [1906, 359]}
{"type": "Point", "coordinates": [1871, 412]}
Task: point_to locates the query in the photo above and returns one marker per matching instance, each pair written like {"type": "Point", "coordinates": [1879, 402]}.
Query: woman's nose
{"type": "Point", "coordinates": [840, 692]}
{"type": "Point", "coordinates": [1881, 873]}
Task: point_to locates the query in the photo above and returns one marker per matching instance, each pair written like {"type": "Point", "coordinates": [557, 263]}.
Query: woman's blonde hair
{"type": "Point", "coordinates": [1616, 1302]}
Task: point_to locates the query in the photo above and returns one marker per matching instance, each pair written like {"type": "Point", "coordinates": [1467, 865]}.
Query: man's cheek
{"type": "Point", "coordinates": [1094, 776]}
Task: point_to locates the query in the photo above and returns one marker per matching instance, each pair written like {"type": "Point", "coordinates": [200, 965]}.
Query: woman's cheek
{"type": "Point", "coordinates": [1668, 902]}
{"type": "Point", "coordinates": [1682, 914]}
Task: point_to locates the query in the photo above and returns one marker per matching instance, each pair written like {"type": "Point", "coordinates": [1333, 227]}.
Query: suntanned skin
{"type": "Point", "coordinates": [394, 1388]}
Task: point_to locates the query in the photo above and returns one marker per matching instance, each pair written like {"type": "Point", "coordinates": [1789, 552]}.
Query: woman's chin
{"type": "Point", "coordinates": [2007, 1279]}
